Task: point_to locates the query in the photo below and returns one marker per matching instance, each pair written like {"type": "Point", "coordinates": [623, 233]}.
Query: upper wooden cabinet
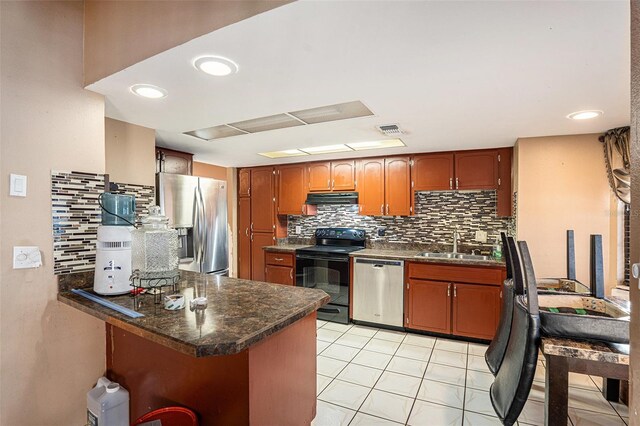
{"type": "Point", "coordinates": [244, 183]}
{"type": "Point", "coordinates": [343, 175]}
{"type": "Point", "coordinates": [384, 186]}
{"type": "Point", "coordinates": [332, 176]}
{"type": "Point", "coordinates": [170, 161]}
{"type": "Point", "coordinates": [371, 187]}
{"type": "Point", "coordinates": [459, 170]}
{"type": "Point", "coordinates": [291, 189]}
{"type": "Point", "coordinates": [319, 176]}
{"type": "Point", "coordinates": [397, 184]}
{"type": "Point", "coordinates": [262, 200]}
{"type": "Point", "coordinates": [505, 192]}
{"type": "Point", "coordinates": [476, 170]}
{"type": "Point", "coordinates": [432, 172]}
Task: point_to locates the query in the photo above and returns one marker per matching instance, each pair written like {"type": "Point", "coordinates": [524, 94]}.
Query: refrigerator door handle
{"type": "Point", "coordinates": [196, 226]}
{"type": "Point", "coordinates": [202, 228]}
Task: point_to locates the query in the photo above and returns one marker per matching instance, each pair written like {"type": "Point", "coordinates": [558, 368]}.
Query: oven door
{"type": "Point", "coordinates": [330, 274]}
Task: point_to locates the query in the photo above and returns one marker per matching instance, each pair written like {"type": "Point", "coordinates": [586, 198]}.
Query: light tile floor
{"type": "Point", "coordinates": [368, 376]}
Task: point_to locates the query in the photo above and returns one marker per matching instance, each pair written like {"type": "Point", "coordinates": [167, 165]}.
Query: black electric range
{"type": "Point", "coordinates": [326, 266]}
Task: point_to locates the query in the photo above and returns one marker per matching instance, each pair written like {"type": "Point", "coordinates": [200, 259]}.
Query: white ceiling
{"type": "Point", "coordinates": [454, 75]}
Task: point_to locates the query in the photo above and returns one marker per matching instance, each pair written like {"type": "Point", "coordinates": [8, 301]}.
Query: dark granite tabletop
{"type": "Point", "coordinates": [412, 255]}
{"type": "Point", "coordinates": [593, 351]}
{"type": "Point", "coordinates": [240, 313]}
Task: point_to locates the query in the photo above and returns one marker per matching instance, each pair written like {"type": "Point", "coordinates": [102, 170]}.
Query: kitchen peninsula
{"type": "Point", "coordinates": [248, 358]}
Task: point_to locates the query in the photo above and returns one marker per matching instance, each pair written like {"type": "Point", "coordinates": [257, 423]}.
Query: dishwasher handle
{"type": "Point", "coordinates": [377, 263]}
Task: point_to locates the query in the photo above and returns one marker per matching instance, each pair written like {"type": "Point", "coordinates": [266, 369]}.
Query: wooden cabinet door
{"type": "Point", "coordinates": [476, 170]}
{"type": "Point", "coordinates": [505, 192]}
{"type": "Point", "coordinates": [319, 176]}
{"type": "Point", "coordinates": [262, 200]}
{"type": "Point", "coordinates": [244, 238]}
{"type": "Point", "coordinates": [258, 241]}
{"type": "Point", "coordinates": [291, 189]}
{"type": "Point", "coordinates": [343, 175]}
{"type": "Point", "coordinates": [429, 306]}
{"type": "Point", "coordinates": [279, 275]}
{"type": "Point", "coordinates": [432, 172]}
{"type": "Point", "coordinates": [397, 190]}
{"type": "Point", "coordinates": [371, 187]}
{"type": "Point", "coordinates": [476, 310]}
{"type": "Point", "coordinates": [244, 183]}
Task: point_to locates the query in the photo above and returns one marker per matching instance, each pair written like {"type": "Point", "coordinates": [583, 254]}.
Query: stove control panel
{"type": "Point", "coordinates": [341, 233]}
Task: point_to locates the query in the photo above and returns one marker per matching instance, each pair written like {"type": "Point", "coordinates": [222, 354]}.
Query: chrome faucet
{"type": "Point", "coordinates": [456, 236]}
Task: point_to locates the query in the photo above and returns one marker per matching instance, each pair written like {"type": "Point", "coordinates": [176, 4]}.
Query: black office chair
{"type": "Point", "coordinates": [510, 390]}
{"type": "Point", "coordinates": [511, 287]}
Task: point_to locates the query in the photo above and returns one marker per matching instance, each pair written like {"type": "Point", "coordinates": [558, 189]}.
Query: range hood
{"type": "Point", "coordinates": [332, 198]}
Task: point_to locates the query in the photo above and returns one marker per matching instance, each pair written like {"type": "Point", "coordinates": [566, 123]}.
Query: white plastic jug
{"type": "Point", "coordinates": [107, 404]}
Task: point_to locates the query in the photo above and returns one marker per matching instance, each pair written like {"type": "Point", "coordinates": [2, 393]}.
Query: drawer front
{"type": "Point", "coordinates": [279, 259]}
{"type": "Point", "coordinates": [461, 274]}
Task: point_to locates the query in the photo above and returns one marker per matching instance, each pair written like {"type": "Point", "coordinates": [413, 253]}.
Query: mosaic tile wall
{"type": "Point", "coordinates": [437, 215]}
{"type": "Point", "coordinates": [76, 216]}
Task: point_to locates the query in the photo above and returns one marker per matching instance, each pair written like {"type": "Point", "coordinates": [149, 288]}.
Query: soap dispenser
{"type": "Point", "coordinates": [497, 249]}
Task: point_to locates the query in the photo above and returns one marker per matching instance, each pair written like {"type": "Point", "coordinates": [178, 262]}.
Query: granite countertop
{"type": "Point", "coordinates": [286, 247]}
{"type": "Point", "coordinates": [412, 255]}
{"type": "Point", "coordinates": [240, 313]}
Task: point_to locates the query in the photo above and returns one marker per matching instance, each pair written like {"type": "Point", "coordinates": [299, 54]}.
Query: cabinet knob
{"type": "Point", "coordinates": [457, 183]}
{"type": "Point", "coordinates": [450, 183]}
{"type": "Point", "coordinates": [449, 290]}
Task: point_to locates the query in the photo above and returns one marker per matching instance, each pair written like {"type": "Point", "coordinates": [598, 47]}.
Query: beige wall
{"type": "Point", "coordinates": [50, 354]}
{"type": "Point", "coordinates": [209, 170]}
{"type": "Point", "coordinates": [635, 217]}
{"type": "Point", "coordinates": [130, 152]}
{"type": "Point", "coordinates": [562, 184]}
{"type": "Point", "coordinates": [119, 34]}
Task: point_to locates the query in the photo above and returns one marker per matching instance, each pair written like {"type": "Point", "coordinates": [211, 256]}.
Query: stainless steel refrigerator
{"type": "Point", "coordinates": [197, 208]}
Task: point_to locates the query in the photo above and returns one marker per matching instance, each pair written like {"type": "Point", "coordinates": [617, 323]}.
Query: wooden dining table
{"type": "Point", "coordinates": [562, 356]}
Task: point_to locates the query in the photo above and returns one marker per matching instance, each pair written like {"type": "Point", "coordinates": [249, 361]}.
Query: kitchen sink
{"type": "Point", "coordinates": [460, 256]}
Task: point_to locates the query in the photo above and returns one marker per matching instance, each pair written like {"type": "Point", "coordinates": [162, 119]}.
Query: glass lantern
{"type": "Point", "coordinates": [154, 247]}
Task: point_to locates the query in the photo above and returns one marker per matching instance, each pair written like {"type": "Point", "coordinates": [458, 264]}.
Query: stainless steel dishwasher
{"type": "Point", "coordinates": [378, 291]}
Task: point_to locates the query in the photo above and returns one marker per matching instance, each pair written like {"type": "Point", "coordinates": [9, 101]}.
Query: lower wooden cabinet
{"type": "Point", "coordinates": [476, 310]}
{"type": "Point", "coordinates": [258, 241]}
{"type": "Point", "coordinates": [445, 299]}
{"type": "Point", "coordinates": [429, 306]}
{"type": "Point", "coordinates": [279, 275]}
{"type": "Point", "coordinates": [280, 268]}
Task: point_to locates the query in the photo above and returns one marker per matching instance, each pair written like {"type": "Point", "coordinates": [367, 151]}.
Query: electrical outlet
{"type": "Point", "coordinates": [481, 236]}
{"type": "Point", "coordinates": [381, 232]}
{"type": "Point", "coordinates": [26, 257]}
{"type": "Point", "coordinates": [298, 229]}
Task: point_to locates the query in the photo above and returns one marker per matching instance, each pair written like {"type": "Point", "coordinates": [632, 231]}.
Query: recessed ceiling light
{"type": "Point", "coordinates": [327, 149]}
{"type": "Point", "coordinates": [388, 143]}
{"type": "Point", "coordinates": [584, 115]}
{"type": "Point", "coordinates": [283, 154]}
{"type": "Point", "coordinates": [148, 91]}
{"type": "Point", "coordinates": [216, 65]}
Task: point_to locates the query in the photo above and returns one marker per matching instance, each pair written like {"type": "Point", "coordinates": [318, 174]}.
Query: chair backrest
{"type": "Point", "coordinates": [505, 250]}
{"type": "Point", "coordinates": [596, 267]}
{"type": "Point", "coordinates": [512, 385]}
{"type": "Point", "coordinates": [498, 347]}
{"type": "Point", "coordinates": [571, 255]}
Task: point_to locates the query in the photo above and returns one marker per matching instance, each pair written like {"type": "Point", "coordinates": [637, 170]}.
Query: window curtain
{"type": "Point", "coordinates": [617, 158]}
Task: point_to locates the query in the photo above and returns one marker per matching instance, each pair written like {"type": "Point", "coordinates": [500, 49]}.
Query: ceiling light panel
{"type": "Point", "coordinates": [326, 149]}
{"type": "Point", "coordinates": [333, 112]}
{"type": "Point", "coordinates": [283, 154]}
{"type": "Point", "coordinates": [216, 132]}
{"type": "Point", "coordinates": [388, 143]}
{"type": "Point", "coordinates": [272, 122]}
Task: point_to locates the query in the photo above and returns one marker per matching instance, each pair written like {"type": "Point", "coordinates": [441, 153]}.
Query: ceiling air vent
{"type": "Point", "coordinates": [390, 130]}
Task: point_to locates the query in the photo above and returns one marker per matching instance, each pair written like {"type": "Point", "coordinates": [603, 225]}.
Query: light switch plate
{"type": "Point", "coordinates": [298, 229]}
{"type": "Point", "coordinates": [26, 257]}
{"type": "Point", "coordinates": [481, 236]}
{"type": "Point", "coordinates": [18, 185]}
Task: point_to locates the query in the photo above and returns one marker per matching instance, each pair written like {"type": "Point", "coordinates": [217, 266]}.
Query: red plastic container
{"type": "Point", "coordinates": [170, 416]}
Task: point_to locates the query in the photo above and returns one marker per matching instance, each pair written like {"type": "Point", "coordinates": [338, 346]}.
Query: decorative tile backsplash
{"type": "Point", "coordinates": [76, 216]}
{"type": "Point", "coordinates": [438, 214]}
